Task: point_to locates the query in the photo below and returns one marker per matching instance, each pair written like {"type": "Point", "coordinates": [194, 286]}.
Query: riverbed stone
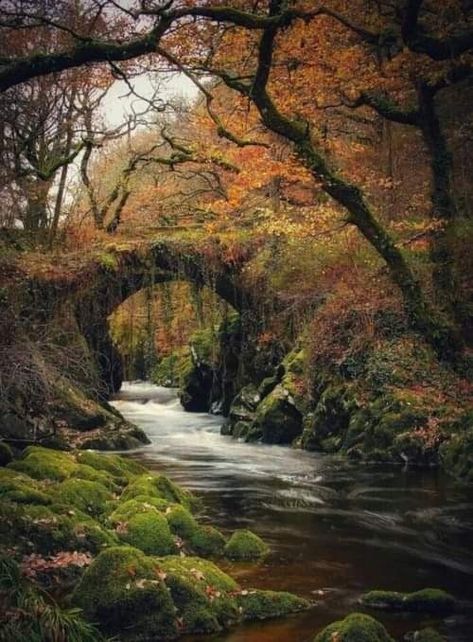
{"type": "Point", "coordinates": [356, 627]}
{"type": "Point", "coordinates": [429, 600]}
{"type": "Point", "coordinates": [244, 545]}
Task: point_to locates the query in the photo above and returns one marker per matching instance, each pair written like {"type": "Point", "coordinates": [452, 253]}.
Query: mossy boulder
{"type": "Point", "coordinates": [140, 504]}
{"type": "Point", "coordinates": [207, 541]}
{"type": "Point", "coordinates": [160, 487]}
{"type": "Point", "coordinates": [356, 627]}
{"type": "Point", "coordinates": [45, 463]}
{"type": "Point", "coordinates": [99, 476]}
{"type": "Point", "coordinates": [18, 487]}
{"type": "Point", "coordinates": [277, 420]}
{"type": "Point", "coordinates": [427, 635]}
{"type": "Point", "coordinates": [262, 605]}
{"type": "Point", "coordinates": [50, 529]}
{"type": "Point", "coordinates": [90, 497]}
{"type": "Point", "coordinates": [181, 521]}
{"type": "Point", "coordinates": [429, 600]}
{"type": "Point", "coordinates": [328, 424]}
{"type": "Point", "coordinates": [121, 468]}
{"type": "Point", "coordinates": [124, 592]}
{"type": "Point", "coordinates": [456, 454]}
{"type": "Point", "coordinates": [149, 531]}
{"type": "Point", "coordinates": [6, 454]}
{"type": "Point", "coordinates": [244, 545]}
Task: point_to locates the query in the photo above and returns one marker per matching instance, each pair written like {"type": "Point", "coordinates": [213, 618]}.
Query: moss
{"type": "Point", "coordinates": [207, 541]}
{"type": "Point", "coordinates": [456, 454]}
{"type": "Point", "coordinates": [261, 605]}
{"type": "Point", "coordinates": [44, 463]}
{"type": "Point", "coordinates": [124, 592]}
{"type": "Point", "coordinates": [277, 418]}
{"type": "Point", "coordinates": [148, 531]}
{"type": "Point", "coordinates": [121, 468]}
{"type": "Point", "coordinates": [17, 487]}
{"type": "Point", "coordinates": [88, 496]}
{"type": "Point", "coordinates": [356, 627]}
{"type": "Point", "coordinates": [181, 521]}
{"type": "Point", "coordinates": [427, 600]}
{"type": "Point", "coordinates": [140, 504]}
{"type": "Point", "coordinates": [159, 487]}
{"type": "Point", "coordinates": [6, 454]}
{"type": "Point", "coordinates": [50, 529]}
{"type": "Point", "coordinates": [427, 635]}
{"type": "Point", "coordinates": [90, 474]}
{"type": "Point", "coordinates": [245, 545]}
{"type": "Point", "coordinates": [201, 593]}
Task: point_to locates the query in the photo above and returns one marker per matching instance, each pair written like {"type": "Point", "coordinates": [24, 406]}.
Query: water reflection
{"type": "Point", "coordinates": [335, 530]}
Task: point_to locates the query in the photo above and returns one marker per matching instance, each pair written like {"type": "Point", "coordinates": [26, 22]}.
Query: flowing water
{"type": "Point", "coordinates": [336, 530]}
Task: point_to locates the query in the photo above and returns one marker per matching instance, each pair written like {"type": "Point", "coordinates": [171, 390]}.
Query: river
{"type": "Point", "coordinates": [335, 529]}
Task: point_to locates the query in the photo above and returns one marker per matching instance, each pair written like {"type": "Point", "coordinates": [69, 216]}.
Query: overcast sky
{"type": "Point", "coordinates": [117, 104]}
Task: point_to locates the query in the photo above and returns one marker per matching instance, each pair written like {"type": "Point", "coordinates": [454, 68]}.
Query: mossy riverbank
{"type": "Point", "coordinates": [124, 546]}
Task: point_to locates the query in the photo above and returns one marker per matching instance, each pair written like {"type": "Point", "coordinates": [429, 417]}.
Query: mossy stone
{"type": "Point", "coordinates": [429, 600]}
{"type": "Point", "coordinates": [159, 487]}
{"type": "Point", "coordinates": [88, 496]}
{"type": "Point", "coordinates": [207, 541]}
{"type": "Point", "coordinates": [428, 635]}
{"type": "Point", "coordinates": [261, 605]}
{"type": "Point", "coordinates": [17, 487]}
{"type": "Point", "coordinates": [140, 504]}
{"type": "Point", "coordinates": [181, 521]}
{"type": "Point", "coordinates": [50, 529]}
{"type": "Point", "coordinates": [124, 592]}
{"type": "Point", "coordinates": [45, 463]}
{"type": "Point", "coordinates": [148, 531]}
{"type": "Point", "coordinates": [277, 418]}
{"type": "Point", "coordinates": [244, 545]}
{"type": "Point", "coordinates": [121, 468]}
{"type": "Point", "coordinates": [356, 627]}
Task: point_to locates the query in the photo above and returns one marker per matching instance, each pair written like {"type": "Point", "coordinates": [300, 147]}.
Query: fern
{"type": "Point", "coordinates": [30, 614]}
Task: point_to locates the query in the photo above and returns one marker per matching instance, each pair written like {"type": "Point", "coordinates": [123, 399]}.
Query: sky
{"type": "Point", "coordinates": [117, 104]}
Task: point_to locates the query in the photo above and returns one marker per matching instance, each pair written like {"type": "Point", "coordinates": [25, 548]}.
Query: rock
{"type": "Point", "coordinates": [244, 545]}
{"type": "Point", "coordinates": [456, 454]}
{"type": "Point", "coordinates": [148, 531]}
{"type": "Point", "coordinates": [50, 529]}
{"type": "Point", "coordinates": [124, 592]}
{"type": "Point", "coordinates": [330, 420]}
{"type": "Point", "coordinates": [160, 487]}
{"type": "Point", "coordinates": [356, 627]}
{"type": "Point", "coordinates": [261, 605]}
{"type": "Point", "coordinates": [15, 428]}
{"type": "Point", "coordinates": [45, 463]}
{"type": "Point", "coordinates": [207, 541]}
{"type": "Point", "coordinates": [277, 419]}
{"type": "Point", "coordinates": [90, 497]}
{"type": "Point", "coordinates": [425, 635]}
{"type": "Point", "coordinates": [435, 601]}
{"type": "Point", "coordinates": [181, 521]}
{"type": "Point", "coordinates": [21, 489]}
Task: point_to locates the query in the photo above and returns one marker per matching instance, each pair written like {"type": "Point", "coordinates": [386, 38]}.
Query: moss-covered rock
{"type": "Point", "coordinates": [122, 468]}
{"type": "Point", "coordinates": [123, 590]}
{"type": "Point", "coordinates": [140, 504]}
{"type": "Point", "coordinates": [160, 487]}
{"type": "Point", "coordinates": [45, 463]}
{"type": "Point", "coordinates": [261, 605]}
{"type": "Point", "coordinates": [427, 635]}
{"type": "Point", "coordinates": [427, 601]}
{"type": "Point", "coordinates": [99, 476]}
{"type": "Point", "coordinates": [181, 521]}
{"type": "Point", "coordinates": [148, 531]}
{"type": "Point", "coordinates": [90, 497]}
{"type": "Point", "coordinates": [18, 487]}
{"type": "Point", "coordinates": [6, 454]}
{"type": "Point", "coordinates": [456, 454]}
{"type": "Point", "coordinates": [244, 545]}
{"type": "Point", "coordinates": [207, 541]}
{"type": "Point", "coordinates": [50, 529]}
{"type": "Point", "coordinates": [356, 627]}
{"type": "Point", "coordinates": [277, 419]}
